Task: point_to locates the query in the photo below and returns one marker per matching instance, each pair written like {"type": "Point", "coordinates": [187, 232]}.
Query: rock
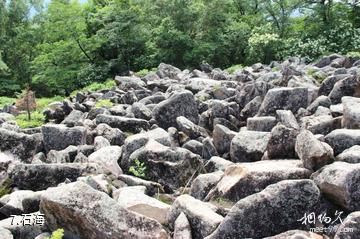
{"type": "Point", "coordinates": [41, 176]}
{"type": "Point", "coordinates": [264, 124]}
{"type": "Point", "coordinates": [59, 137]}
{"type": "Point", "coordinates": [287, 118]}
{"type": "Point", "coordinates": [328, 84]}
{"type": "Point", "coordinates": [151, 187]}
{"type": "Point", "coordinates": [248, 146]}
{"type": "Point", "coordinates": [350, 155]}
{"type": "Point", "coordinates": [165, 70]}
{"type": "Point", "coordinates": [253, 216]}
{"type": "Point", "coordinates": [297, 234]}
{"type": "Point", "coordinates": [282, 141]}
{"type": "Point", "coordinates": [182, 228]}
{"type": "Point", "coordinates": [203, 183]}
{"type": "Point", "coordinates": [86, 213]}
{"type": "Point", "coordinates": [313, 153]}
{"type": "Point", "coordinates": [135, 200]}
{"type": "Point", "coordinates": [125, 124]}
{"type": "Point", "coordinates": [115, 136]}
{"type": "Point", "coordinates": [141, 111]}
{"type": "Point", "coordinates": [209, 149]}
{"type": "Point", "coordinates": [20, 202]}
{"type": "Point", "coordinates": [107, 158]}
{"type": "Point", "coordinates": [171, 167]}
{"type": "Point", "coordinates": [194, 146]}
{"type": "Point", "coordinates": [222, 137]}
{"type": "Point", "coordinates": [244, 179]}
{"type": "Point", "coordinates": [99, 182]}
{"type": "Point", "coordinates": [351, 111]}
{"type": "Point", "coordinates": [100, 142]}
{"type": "Point", "coordinates": [349, 228]}
{"type": "Point", "coordinates": [349, 86]}
{"type": "Point", "coordinates": [217, 163]}
{"type": "Point", "coordinates": [251, 108]}
{"type": "Point", "coordinates": [189, 128]}
{"type": "Point", "coordinates": [73, 118]}
{"type": "Point", "coordinates": [97, 111]}
{"type": "Point", "coordinates": [179, 104]}
{"type": "Point", "coordinates": [129, 82]}
{"type": "Point", "coordinates": [22, 145]}
{"type": "Point", "coordinates": [322, 124]}
{"type": "Point", "coordinates": [284, 98]}
{"type": "Point", "coordinates": [339, 182]}
{"type": "Point", "coordinates": [6, 234]}
{"type": "Point", "coordinates": [6, 117]}
{"type": "Point", "coordinates": [341, 139]}
{"type": "Point", "coordinates": [203, 220]}
{"type": "Point", "coordinates": [63, 156]}
{"type": "Point", "coordinates": [322, 100]}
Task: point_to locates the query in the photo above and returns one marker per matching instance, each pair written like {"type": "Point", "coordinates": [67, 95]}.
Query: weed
{"type": "Point", "coordinates": [138, 169]}
{"type": "Point", "coordinates": [104, 103]}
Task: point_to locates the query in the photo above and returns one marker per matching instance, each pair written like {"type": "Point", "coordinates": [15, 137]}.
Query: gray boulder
{"type": "Point", "coordinates": [73, 118]}
{"type": "Point", "coordinates": [114, 135]}
{"type": "Point", "coordinates": [129, 82]}
{"type": "Point", "coordinates": [107, 159]}
{"type": "Point", "coordinates": [339, 182]}
{"type": "Point", "coordinates": [248, 146]}
{"type": "Point", "coordinates": [222, 138]}
{"type": "Point", "coordinates": [282, 141]}
{"type": "Point", "coordinates": [350, 155]}
{"type": "Point", "coordinates": [189, 128]}
{"type": "Point", "coordinates": [349, 86]}
{"type": "Point", "coordinates": [179, 104]}
{"type": "Point", "coordinates": [203, 183]}
{"type": "Point", "coordinates": [63, 156]}
{"type": "Point", "coordinates": [275, 209]}
{"type": "Point", "coordinates": [342, 139]}
{"type": "Point", "coordinates": [265, 123]}
{"type": "Point", "coordinates": [125, 124]}
{"type": "Point", "coordinates": [350, 227]}
{"type": "Point", "coordinates": [5, 234]}
{"type": "Point", "coordinates": [182, 228]}
{"type": "Point", "coordinates": [166, 70]}
{"type": "Point", "coordinates": [20, 202]}
{"type": "Point", "coordinates": [351, 111]}
{"type": "Point", "coordinates": [217, 163]}
{"type": "Point", "coordinates": [287, 118]}
{"type": "Point", "coordinates": [87, 213]}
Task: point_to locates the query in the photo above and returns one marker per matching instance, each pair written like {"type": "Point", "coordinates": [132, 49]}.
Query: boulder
{"type": "Point", "coordinates": [321, 124]}
{"type": "Point", "coordinates": [141, 111]}
{"type": "Point", "coordinates": [340, 182]}
{"type": "Point", "coordinates": [251, 108]}
{"type": "Point", "coordinates": [114, 135]}
{"type": "Point", "coordinates": [125, 124]}
{"type": "Point", "coordinates": [217, 163]}
{"type": "Point", "coordinates": [349, 86]}
{"type": "Point", "coordinates": [151, 187]}
{"type": "Point", "coordinates": [350, 227]}
{"type": "Point", "coordinates": [100, 142]}
{"type": "Point", "coordinates": [166, 70]}
{"type": "Point", "coordinates": [282, 141]}
{"type": "Point", "coordinates": [203, 183]}
{"type": "Point", "coordinates": [189, 128]}
{"type": "Point", "coordinates": [41, 176]}
{"type": "Point", "coordinates": [287, 118]}
{"type": "Point", "coordinates": [19, 202]}
{"type": "Point", "coordinates": [87, 213]}
{"type": "Point", "coordinates": [243, 179]}
{"type": "Point", "coordinates": [129, 82]}
{"type": "Point", "coordinates": [202, 217]}
{"type": "Point", "coordinates": [222, 137]}
{"type": "Point", "coordinates": [179, 104]}
{"type": "Point", "coordinates": [21, 145]}
{"type": "Point", "coordinates": [283, 98]}
{"type": "Point", "coordinates": [209, 149]}
{"type": "Point", "coordinates": [194, 146]}
{"type": "Point", "coordinates": [274, 210]}
{"type": "Point", "coordinates": [350, 155]}
{"type": "Point", "coordinates": [73, 118]}
{"type": "Point", "coordinates": [135, 199]}
{"type": "Point", "coordinates": [351, 111]}
{"type": "Point", "coordinates": [63, 156]}
{"type": "Point", "coordinates": [5, 234]}
{"type": "Point", "coordinates": [313, 153]}
{"type": "Point", "coordinates": [265, 123]}
{"type": "Point", "coordinates": [107, 159]}
{"type": "Point", "coordinates": [248, 146]}
{"type": "Point", "coordinates": [328, 84]}
{"type": "Point", "coordinates": [59, 137]}
{"type": "Point", "coordinates": [182, 228]}
{"type": "Point", "coordinates": [322, 100]}
{"type": "Point", "coordinates": [341, 139]}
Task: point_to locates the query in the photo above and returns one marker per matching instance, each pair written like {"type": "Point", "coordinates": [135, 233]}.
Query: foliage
{"type": "Point", "coordinates": [104, 103]}
{"type": "Point", "coordinates": [58, 234]}
{"type": "Point", "coordinates": [6, 101]}
{"type": "Point", "coordinates": [142, 72]}
{"type": "Point", "coordinates": [234, 68]}
{"type": "Point", "coordinates": [5, 187]}
{"type": "Point", "coordinates": [37, 119]}
{"type": "Point", "coordinates": [138, 169]}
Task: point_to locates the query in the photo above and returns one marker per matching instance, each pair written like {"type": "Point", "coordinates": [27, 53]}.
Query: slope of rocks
{"type": "Point", "coordinates": [193, 154]}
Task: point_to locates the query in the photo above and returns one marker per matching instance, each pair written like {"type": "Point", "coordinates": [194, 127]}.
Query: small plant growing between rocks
{"type": "Point", "coordinates": [5, 188]}
{"type": "Point", "coordinates": [58, 234]}
{"type": "Point", "coordinates": [104, 103]}
{"type": "Point", "coordinates": [138, 169]}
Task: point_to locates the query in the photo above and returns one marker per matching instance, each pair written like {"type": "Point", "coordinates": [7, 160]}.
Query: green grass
{"type": "Point", "coordinates": [108, 84]}
{"type": "Point", "coordinates": [6, 101]}
{"type": "Point", "coordinates": [104, 103]}
{"type": "Point", "coordinates": [37, 119]}
{"type": "Point", "coordinates": [234, 68]}
{"type": "Point", "coordinates": [142, 72]}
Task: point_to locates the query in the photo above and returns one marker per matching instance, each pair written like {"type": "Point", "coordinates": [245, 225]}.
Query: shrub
{"type": "Point", "coordinates": [234, 68]}
{"type": "Point", "coordinates": [138, 169]}
{"type": "Point", "coordinates": [58, 234]}
{"type": "Point", "coordinates": [104, 103]}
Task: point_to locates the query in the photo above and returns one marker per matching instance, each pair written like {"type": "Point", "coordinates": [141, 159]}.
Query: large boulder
{"type": "Point", "coordinates": [202, 216]}
{"type": "Point", "coordinates": [203, 183]}
{"type": "Point", "coordinates": [125, 124]}
{"type": "Point", "coordinates": [248, 146]}
{"type": "Point", "coordinates": [350, 227]}
{"type": "Point", "coordinates": [41, 176]}
{"type": "Point", "coordinates": [179, 104]}
{"type": "Point", "coordinates": [22, 145]}
{"type": "Point", "coordinates": [265, 123]}
{"type": "Point", "coordinates": [19, 202]}
{"type": "Point", "coordinates": [129, 82]}
{"type": "Point", "coordinates": [284, 98]}
{"type": "Point", "coordinates": [351, 111]}
{"type": "Point", "coordinates": [340, 182]}
{"type": "Point", "coordinates": [87, 213]}
{"type": "Point", "coordinates": [166, 70]}
{"type": "Point", "coordinates": [114, 135]}
{"type": "Point", "coordinates": [244, 179]}
{"type": "Point", "coordinates": [189, 128]}
{"type": "Point", "coordinates": [313, 153]}
{"type": "Point", "coordinates": [350, 155]}
{"type": "Point", "coordinates": [222, 137]}
{"type": "Point", "coordinates": [182, 228]}
{"type": "Point", "coordinates": [59, 137]}
{"type": "Point", "coordinates": [73, 118]}
{"type": "Point", "coordinates": [275, 209]}
{"type": "Point", "coordinates": [107, 158]}
{"type": "Point", "coordinates": [349, 86]}
{"type": "Point", "coordinates": [341, 139]}
{"type": "Point", "coordinates": [282, 141]}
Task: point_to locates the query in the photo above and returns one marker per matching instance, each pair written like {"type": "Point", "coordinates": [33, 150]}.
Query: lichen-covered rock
{"type": "Point", "coordinates": [179, 104]}
{"type": "Point", "coordinates": [203, 183]}
{"type": "Point", "coordinates": [313, 153]}
{"type": "Point", "coordinates": [19, 202]}
{"type": "Point", "coordinates": [341, 139]}
{"type": "Point", "coordinates": [182, 228]}
{"type": "Point", "coordinates": [114, 135]}
{"type": "Point", "coordinates": [87, 213]}
{"type": "Point", "coordinates": [350, 155]}
{"type": "Point", "coordinates": [202, 217]}
{"type": "Point", "coordinates": [107, 159]}
{"type": "Point", "coordinates": [340, 182]}
{"type": "Point", "coordinates": [248, 146]}
{"type": "Point", "coordinates": [349, 86]}
{"type": "Point", "coordinates": [222, 137]}
{"type": "Point", "coordinates": [274, 210]}
{"type": "Point", "coordinates": [125, 124]}
{"type": "Point", "coordinates": [282, 141]}
{"type": "Point", "coordinates": [243, 179]}
{"type": "Point", "coordinates": [73, 118]}
{"type": "Point", "coordinates": [265, 123]}
{"type": "Point", "coordinates": [59, 137]}
{"type": "Point", "coordinates": [351, 111]}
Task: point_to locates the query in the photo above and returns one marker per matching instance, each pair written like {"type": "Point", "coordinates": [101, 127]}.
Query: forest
{"type": "Point", "coordinates": [59, 46]}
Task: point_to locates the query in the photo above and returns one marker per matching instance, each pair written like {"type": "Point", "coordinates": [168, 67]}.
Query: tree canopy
{"type": "Point", "coordinates": [59, 46]}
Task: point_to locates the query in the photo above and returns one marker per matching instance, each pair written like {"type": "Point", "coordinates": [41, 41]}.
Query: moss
{"type": "Point", "coordinates": [234, 68]}
{"type": "Point", "coordinates": [58, 234]}
{"type": "Point", "coordinates": [5, 187]}
{"type": "Point", "coordinates": [104, 103]}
